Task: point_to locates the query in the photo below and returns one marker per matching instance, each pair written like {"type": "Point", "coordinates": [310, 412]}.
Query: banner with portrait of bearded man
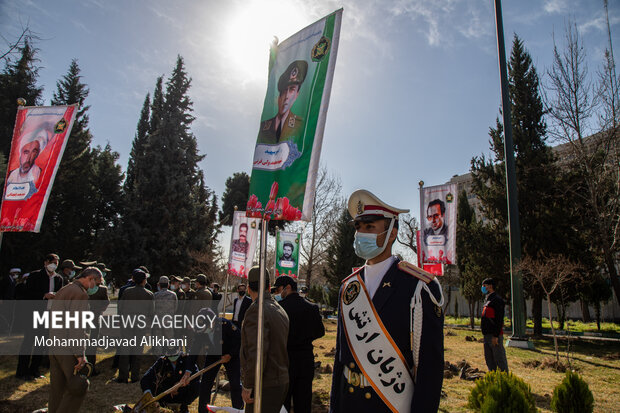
{"type": "Point", "coordinates": [39, 140]}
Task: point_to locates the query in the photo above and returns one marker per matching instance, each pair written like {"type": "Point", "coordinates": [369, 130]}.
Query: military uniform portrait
{"type": "Point", "coordinates": [286, 125]}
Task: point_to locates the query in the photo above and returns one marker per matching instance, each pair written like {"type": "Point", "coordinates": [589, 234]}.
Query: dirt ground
{"type": "Point", "coordinates": [597, 361]}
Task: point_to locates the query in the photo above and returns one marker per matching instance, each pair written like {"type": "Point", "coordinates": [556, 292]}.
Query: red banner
{"type": "Point", "coordinates": [39, 140]}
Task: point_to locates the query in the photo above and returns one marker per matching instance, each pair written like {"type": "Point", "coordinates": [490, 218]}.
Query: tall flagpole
{"type": "Point", "coordinates": [518, 338]}
{"type": "Point", "coordinates": [258, 380]}
{"type": "Point", "coordinates": [20, 102]}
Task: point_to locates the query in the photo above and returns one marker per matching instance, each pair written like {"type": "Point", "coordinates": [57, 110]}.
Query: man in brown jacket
{"type": "Point", "coordinates": [65, 396]}
{"type": "Point", "coordinates": [98, 302]}
{"type": "Point", "coordinates": [275, 357]}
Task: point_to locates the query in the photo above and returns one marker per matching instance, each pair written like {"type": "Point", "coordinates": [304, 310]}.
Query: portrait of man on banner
{"type": "Point", "coordinates": [438, 222]}
{"type": "Point", "coordinates": [287, 253]}
{"type": "Point", "coordinates": [243, 244]}
{"type": "Point", "coordinates": [35, 135]}
{"type": "Point", "coordinates": [39, 140]}
{"type": "Point", "coordinates": [290, 134]}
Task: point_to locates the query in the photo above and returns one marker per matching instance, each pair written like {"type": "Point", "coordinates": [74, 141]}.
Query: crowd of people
{"type": "Point", "coordinates": [389, 344]}
{"type": "Point", "coordinates": [54, 286]}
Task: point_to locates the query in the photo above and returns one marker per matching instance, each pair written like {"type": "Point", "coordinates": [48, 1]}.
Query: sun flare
{"type": "Point", "coordinates": [252, 29]}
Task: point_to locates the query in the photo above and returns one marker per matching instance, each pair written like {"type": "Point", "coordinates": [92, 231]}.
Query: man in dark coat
{"type": "Point", "coordinates": [389, 345]}
{"type": "Point", "coordinates": [41, 286]}
{"type": "Point", "coordinates": [240, 305]}
{"type": "Point", "coordinates": [135, 300]}
{"type": "Point", "coordinates": [305, 326]}
{"type": "Point", "coordinates": [230, 346]}
{"type": "Point", "coordinates": [167, 371]}
{"type": "Point", "coordinates": [492, 326]}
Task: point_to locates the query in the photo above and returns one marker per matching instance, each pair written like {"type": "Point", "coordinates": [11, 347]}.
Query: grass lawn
{"type": "Point", "coordinates": [597, 361]}
{"type": "Point", "coordinates": [574, 326]}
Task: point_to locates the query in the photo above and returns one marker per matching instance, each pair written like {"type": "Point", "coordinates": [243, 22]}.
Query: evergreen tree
{"type": "Point", "coordinates": [340, 258]}
{"type": "Point", "coordinates": [17, 80]}
{"type": "Point", "coordinates": [69, 216]}
{"type": "Point", "coordinates": [170, 214]}
{"type": "Point", "coordinates": [480, 253]}
{"type": "Point", "coordinates": [137, 147]}
{"type": "Point", "coordinates": [106, 195]}
{"type": "Point", "coordinates": [236, 194]}
{"type": "Point", "coordinates": [538, 199]}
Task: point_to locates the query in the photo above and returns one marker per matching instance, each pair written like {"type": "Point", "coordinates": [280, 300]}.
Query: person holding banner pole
{"type": "Point", "coordinates": [263, 344]}
{"type": "Point", "coordinates": [389, 348]}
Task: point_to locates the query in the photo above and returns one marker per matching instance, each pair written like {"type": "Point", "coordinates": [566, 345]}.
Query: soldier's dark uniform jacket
{"type": "Point", "coordinates": [392, 303]}
{"type": "Point", "coordinates": [164, 374]}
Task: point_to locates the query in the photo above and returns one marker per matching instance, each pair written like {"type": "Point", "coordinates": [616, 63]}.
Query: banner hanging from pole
{"type": "Point", "coordinates": [438, 224]}
{"type": "Point", "coordinates": [288, 147]}
{"type": "Point", "coordinates": [39, 140]}
{"type": "Point", "coordinates": [242, 244]}
{"type": "Point", "coordinates": [287, 253]}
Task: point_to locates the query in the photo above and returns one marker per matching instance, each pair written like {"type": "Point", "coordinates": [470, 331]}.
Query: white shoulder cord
{"type": "Point", "coordinates": [416, 319]}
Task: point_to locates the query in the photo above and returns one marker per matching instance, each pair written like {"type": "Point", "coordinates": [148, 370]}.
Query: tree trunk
{"type": "Point", "coordinates": [447, 305]}
{"type": "Point", "coordinates": [555, 338]}
{"type": "Point", "coordinates": [472, 305]}
{"type": "Point", "coordinates": [613, 274]}
{"type": "Point", "coordinates": [537, 299]}
{"type": "Point", "coordinates": [597, 311]}
{"type": "Point", "coordinates": [585, 311]}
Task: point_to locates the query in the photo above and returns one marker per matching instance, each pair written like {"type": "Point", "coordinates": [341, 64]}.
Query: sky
{"type": "Point", "coordinates": [415, 90]}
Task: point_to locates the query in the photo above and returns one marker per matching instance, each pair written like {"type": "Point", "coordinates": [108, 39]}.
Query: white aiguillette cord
{"type": "Point", "coordinates": [417, 313]}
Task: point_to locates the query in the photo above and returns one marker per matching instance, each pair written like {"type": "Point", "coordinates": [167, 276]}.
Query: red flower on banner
{"type": "Point", "coordinates": [271, 205]}
{"type": "Point", "coordinates": [274, 191]}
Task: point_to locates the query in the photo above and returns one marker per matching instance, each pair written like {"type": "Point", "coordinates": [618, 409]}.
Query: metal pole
{"type": "Point", "coordinates": [518, 338]}
{"type": "Point", "coordinates": [258, 380]}
{"type": "Point", "coordinates": [422, 218]}
{"type": "Point", "coordinates": [225, 297]}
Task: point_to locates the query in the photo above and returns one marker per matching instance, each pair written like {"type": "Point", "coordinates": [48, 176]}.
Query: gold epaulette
{"type": "Point", "coordinates": [416, 271]}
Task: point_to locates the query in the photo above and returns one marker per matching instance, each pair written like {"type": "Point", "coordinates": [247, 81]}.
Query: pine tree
{"type": "Point", "coordinates": [236, 194]}
{"type": "Point", "coordinates": [17, 80]}
{"type": "Point", "coordinates": [538, 198]}
{"type": "Point", "coordinates": [137, 147]}
{"type": "Point", "coordinates": [71, 208]}
{"type": "Point", "coordinates": [106, 195]}
{"type": "Point", "coordinates": [170, 215]}
{"type": "Point", "coordinates": [340, 258]}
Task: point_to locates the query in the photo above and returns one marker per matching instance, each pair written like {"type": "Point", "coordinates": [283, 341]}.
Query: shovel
{"type": "Point", "coordinates": [147, 403]}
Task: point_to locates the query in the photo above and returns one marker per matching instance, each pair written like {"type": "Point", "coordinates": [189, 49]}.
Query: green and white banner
{"type": "Point", "coordinates": [287, 253]}
{"type": "Point", "coordinates": [288, 147]}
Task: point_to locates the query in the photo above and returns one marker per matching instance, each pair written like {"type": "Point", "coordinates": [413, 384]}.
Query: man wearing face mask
{"type": "Point", "coordinates": [492, 326]}
{"type": "Point", "coordinates": [68, 270]}
{"type": "Point", "coordinates": [240, 306]}
{"type": "Point", "coordinates": [305, 326]}
{"type": "Point", "coordinates": [98, 302]}
{"type": "Point", "coordinates": [389, 348]}
{"type": "Point", "coordinates": [41, 286]}
{"type": "Point", "coordinates": [66, 391]}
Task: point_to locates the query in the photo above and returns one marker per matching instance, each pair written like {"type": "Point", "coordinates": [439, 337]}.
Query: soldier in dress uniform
{"type": "Point", "coordinates": [389, 349]}
{"type": "Point", "coordinates": [286, 125]}
{"type": "Point", "coordinates": [169, 370]}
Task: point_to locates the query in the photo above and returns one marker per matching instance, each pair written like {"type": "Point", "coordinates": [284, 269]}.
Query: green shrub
{"type": "Point", "coordinates": [572, 395]}
{"type": "Point", "coordinates": [501, 392]}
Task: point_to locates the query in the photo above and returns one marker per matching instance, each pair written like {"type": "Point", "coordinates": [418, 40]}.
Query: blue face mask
{"type": "Point", "coordinates": [365, 244]}
{"type": "Point", "coordinates": [93, 290]}
{"type": "Point", "coordinates": [278, 297]}
{"type": "Point", "coordinates": [484, 289]}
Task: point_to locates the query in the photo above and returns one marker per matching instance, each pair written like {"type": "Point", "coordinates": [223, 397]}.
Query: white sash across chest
{"type": "Point", "coordinates": [374, 350]}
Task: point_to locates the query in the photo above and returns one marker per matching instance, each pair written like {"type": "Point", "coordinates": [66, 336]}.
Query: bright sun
{"type": "Point", "coordinates": [252, 29]}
